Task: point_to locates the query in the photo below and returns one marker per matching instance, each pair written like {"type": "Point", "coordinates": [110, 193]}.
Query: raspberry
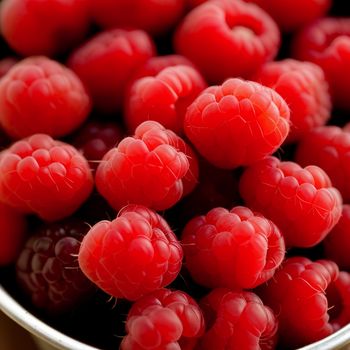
{"type": "Point", "coordinates": [326, 42]}
{"type": "Point", "coordinates": [227, 39]}
{"type": "Point", "coordinates": [138, 235]}
{"type": "Point", "coordinates": [328, 147]}
{"type": "Point", "coordinates": [237, 123]}
{"type": "Point", "coordinates": [35, 27]}
{"type": "Point", "coordinates": [154, 168]}
{"type": "Point", "coordinates": [13, 230]}
{"type": "Point", "coordinates": [223, 240]}
{"type": "Point", "coordinates": [163, 98]}
{"type": "Point", "coordinates": [43, 176]}
{"type": "Point", "coordinates": [163, 319]}
{"type": "Point", "coordinates": [95, 139]}
{"type": "Point", "coordinates": [153, 16]}
{"type": "Point", "coordinates": [291, 15]}
{"type": "Point", "coordinates": [303, 86]}
{"type": "Point", "coordinates": [6, 64]}
{"type": "Point", "coordinates": [300, 201]}
{"type": "Point", "coordinates": [298, 295]}
{"type": "Point", "coordinates": [47, 267]}
{"type": "Point", "coordinates": [337, 243]}
{"type": "Point", "coordinates": [237, 320]}
{"type": "Point", "coordinates": [39, 95]}
{"type": "Point", "coordinates": [107, 61]}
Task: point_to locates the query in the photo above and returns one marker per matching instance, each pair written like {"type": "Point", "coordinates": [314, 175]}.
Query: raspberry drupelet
{"type": "Point", "coordinates": [155, 168]}
{"type": "Point", "coordinates": [131, 256]}
{"type": "Point", "coordinates": [163, 319]}
{"type": "Point", "coordinates": [328, 147]}
{"type": "Point", "coordinates": [42, 176]}
{"type": "Point", "coordinates": [33, 27]}
{"type": "Point", "coordinates": [304, 88]}
{"type": "Point", "coordinates": [300, 201]}
{"type": "Point", "coordinates": [224, 240]}
{"type": "Point", "coordinates": [237, 320]}
{"type": "Point", "coordinates": [5, 65]}
{"type": "Point", "coordinates": [40, 95]}
{"type": "Point", "coordinates": [227, 38]}
{"type": "Point", "coordinates": [163, 98]}
{"type": "Point", "coordinates": [237, 123]}
{"type": "Point", "coordinates": [47, 268]}
{"type": "Point", "coordinates": [107, 61]}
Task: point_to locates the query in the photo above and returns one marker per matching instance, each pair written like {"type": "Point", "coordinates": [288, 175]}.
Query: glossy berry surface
{"type": "Point", "coordinates": [163, 98]}
{"type": "Point", "coordinates": [39, 95]}
{"type": "Point", "coordinates": [6, 64]}
{"type": "Point", "coordinates": [237, 123]}
{"type": "Point", "coordinates": [47, 267]}
{"type": "Point", "coordinates": [131, 256]}
{"type": "Point", "coordinates": [107, 61]}
{"type": "Point", "coordinates": [303, 87]}
{"type": "Point", "coordinates": [30, 27]}
{"type": "Point", "coordinates": [225, 240]}
{"type": "Point", "coordinates": [163, 319]}
{"type": "Point", "coordinates": [237, 320]}
{"type": "Point", "coordinates": [155, 168]}
{"type": "Point", "coordinates": [300, 201]}
{"type": "Point", "coordinates": [45, 177]}
{"type": "Point", "coordinates": [227, 39]}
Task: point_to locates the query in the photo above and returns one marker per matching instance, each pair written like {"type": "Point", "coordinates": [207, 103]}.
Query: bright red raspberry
{"type": "Point", "coordinates": [107, 61]}
{"type": "Point", "coordinates": [154, 168]}
{"type": "Point", "coordinates": [43, 176]}
{"type": "Point", "coordinates": [329, 148]}
{"type": "Point", "coordinates": [47, 268]}
{"type": "Point", "coordinates": [39, 95]}
{"type": "Point", "coordinates": [153, 16]}
{"type": "Point", "coordinates": [163, 98]}
{"type": "Point", "coordinates": [33, 27]}
{"type": "Point", "coordinates": [237, 320]}
{"type": "Point", "coordinates": [224, 240]}
{"type": "Point", "coordinates": [227, 38]}
{"type": "Point", "coordinates": [13, 229]}
{"type": "Point", "coordinates": [337, 243]}
{"type": "Point", "coordinates": [300, 201]}
{"type": "Point", "coordinates": [95, 139]}
{"type": "Point", "coordinates": [291, 15]}
{"type": "Point", "coordinates": [303, 87]}
{"type": "Point", "coordinates": [133, 255]}
{"type": "Point", "coordinates": [298, 295]}
{"type": "Point", "coordinates": [237, 123]}
{"type": "Point", "coordinates": [6, 64]}
{"type": "Point", "coordinates": [326, 42]}
{"type": "Point", "coordinates": [163, 319]}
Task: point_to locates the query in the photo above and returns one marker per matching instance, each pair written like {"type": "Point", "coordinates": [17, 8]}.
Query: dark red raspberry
{"type": "Point", "coordinates": [326, 42]}
{"type": "Point", "coordinates": [107, 61]}
{"type": "Point", "coordinates": [154, 168]}
{"type": "Point", "coordinates": [237, 123]}
{"type": "Point", "coordinates": [291, 15]}
{"type": "Point", "coordinates": [227, 38]}
{"type": "Point", "coordinates": [328, 147]}
{"type": "Point", "coordinates": [13, 229]}
{"type": "Point", "coordinates": [237, 320]}
{"type": "Point", "coordinates": [6, 64]}
{"type": "Point", "coordinates": [163, 98]}
{"type": "Point", "coordinates": [163, 319]}
{"type": "Point", "coordinates": [133, 255]}
{"type": "Point", "coordinates": [43, 176]}
{"type": "Point", "coordinates": [39, 95]}
{"type": "Point", "coordinates": [153, 16]}
{"type": "Point", "coordinates": [35, 27]}
{"type": "Point", "coordinates": [224, 240]}
{"type": "Point", "coordinates": [47, 268]}
{"type": "Point", "coordinates": [300, 201]}
{"type": "Point", "coordinates": [95, 139]}
{"type": "Point", "coordinates": [298, 295]}
{"type": "Point", "coordinates": [303, 86]}
{"type": "Point", "coordinates": [337, 242]}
